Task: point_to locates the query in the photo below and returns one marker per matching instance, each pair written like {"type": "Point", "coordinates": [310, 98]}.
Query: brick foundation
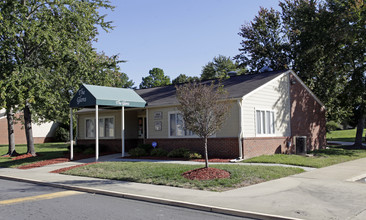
{"type": "Point", "coordinates": [257, 146]}
{"type": "Point", "coordinates": [217, 147]}
{"type": "Point", "coordinates": [112, 145]}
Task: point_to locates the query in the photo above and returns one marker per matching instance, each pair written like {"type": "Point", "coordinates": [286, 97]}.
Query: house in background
{"type": "Point", "coordinates": [268, 110]}
{"type": "Point", "coordinates": [42, 133]}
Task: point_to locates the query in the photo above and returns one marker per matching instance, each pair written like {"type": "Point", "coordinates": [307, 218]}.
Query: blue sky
{"type": "Point", "coordinates": [178, 36]}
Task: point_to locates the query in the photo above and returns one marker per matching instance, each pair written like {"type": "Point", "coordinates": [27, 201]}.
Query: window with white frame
{"type": "Point", "coordinates": [265, 122]}
{"type": "Point", "coordinates": [176, 125]}
{"type": "Point", "coordinates": [106, 127]}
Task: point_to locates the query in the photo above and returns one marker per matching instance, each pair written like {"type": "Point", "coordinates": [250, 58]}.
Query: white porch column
{"type": "Point", "coordinates": [123, 130]}
{"type": "Point", "coordinates": [71, 137]}
{"type": "Point", "coordinates": [96, 133]}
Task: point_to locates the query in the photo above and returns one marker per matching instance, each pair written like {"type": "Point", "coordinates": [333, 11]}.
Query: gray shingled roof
{"type": "Point", "coordinates": [237, 87]}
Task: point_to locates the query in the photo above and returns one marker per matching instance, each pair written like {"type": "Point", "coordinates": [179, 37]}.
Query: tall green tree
{"type": "Point", "coordinates": [219, 67]}
{"type": "Point", "coordinates": [264, 43]}
{"type": "Point", "coordinates": [324, 44]}
{"type": "Point", "coordinates": [45, 43]}
{"type": "Point", "coordinates": [155, 78]}
{"type": "Point", "coordinates": [182, 78]}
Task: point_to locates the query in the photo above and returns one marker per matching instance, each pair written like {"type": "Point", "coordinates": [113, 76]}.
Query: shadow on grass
{"type": "Point", "coordinates": [339, 150]}
{"type": "Point", "coordinates": [44, 155]}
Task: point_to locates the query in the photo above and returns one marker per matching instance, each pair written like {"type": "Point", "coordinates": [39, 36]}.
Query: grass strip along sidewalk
{"type": "Point", "coordinates": [171, 174]}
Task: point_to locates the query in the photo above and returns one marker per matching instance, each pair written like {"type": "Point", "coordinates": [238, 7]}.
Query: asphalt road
{"type": "Point", "coordinates": [20, 200]}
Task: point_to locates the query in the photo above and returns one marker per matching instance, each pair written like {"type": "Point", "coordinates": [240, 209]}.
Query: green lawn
{"type": "Point", "coordinates": [321, 158]}
{"type": "Point", "coordinates": [44, 151]}
{"type": "Point", "coordinates": [343, 135]}
{"type": "Point", "coordinates": [171, 174]}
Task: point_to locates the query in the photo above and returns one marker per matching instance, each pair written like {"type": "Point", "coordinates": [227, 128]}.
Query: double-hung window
{"type": "Point", "coordinates": [176, 125]}
{"type": "Point", "coordinates": [106, 127]}
{"type": "Point", "coordinates": [265, 122]}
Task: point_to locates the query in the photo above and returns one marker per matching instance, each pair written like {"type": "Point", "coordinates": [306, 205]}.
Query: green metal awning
{"type": "Point", "coordinates": [90, 95]}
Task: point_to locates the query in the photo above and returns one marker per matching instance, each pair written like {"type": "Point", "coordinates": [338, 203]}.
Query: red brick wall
{"type": "Point", "coordinates": [19, 133]}
{"type": "Point", "coordinates": [112, 145]}
{"type": "Point", "coordinates": [217, 147]}
{"type": "Point", "coordinates": [307, 116]}
{"type": "Point", "coordinates": [257, 146]}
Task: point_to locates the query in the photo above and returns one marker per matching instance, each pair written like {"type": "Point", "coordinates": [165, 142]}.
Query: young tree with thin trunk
{"type": "Point", "coordinates": [204, 109]}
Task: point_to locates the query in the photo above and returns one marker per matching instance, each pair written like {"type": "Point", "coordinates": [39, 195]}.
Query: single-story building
{"type": "Point", "coordinates": [268, 111]}
{"type": "Point", "coordinates": [42, 133]}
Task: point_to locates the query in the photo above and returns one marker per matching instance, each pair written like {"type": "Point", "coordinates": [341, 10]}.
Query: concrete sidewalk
{"type": "Point", "coordinates": [326, 193]}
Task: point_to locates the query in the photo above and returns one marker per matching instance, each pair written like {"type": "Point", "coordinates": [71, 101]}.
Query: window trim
{"type": "Point", "coordinates": [170, 136]}
{"type": "Point", "coordinates": [102, 117]}
{"type": "Point", "coordinates": [273, 128]}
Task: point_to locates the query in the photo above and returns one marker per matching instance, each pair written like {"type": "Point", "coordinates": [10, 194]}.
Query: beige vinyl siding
{"type": "Point", "coordinates": [231, 126]}
{"type": "Point", "coordinates": [164, 133]}
{"type": "Point", "coordinates": [130, 123]}
{"type": "Point", "coordinates": [273, 96]}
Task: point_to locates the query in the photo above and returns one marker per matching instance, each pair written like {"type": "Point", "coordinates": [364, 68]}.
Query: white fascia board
{"type": "Point", "coordinates": [264, 85]}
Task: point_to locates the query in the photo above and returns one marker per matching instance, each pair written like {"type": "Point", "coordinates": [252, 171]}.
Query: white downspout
{"type": "Point", "coordinates": [240, 136]}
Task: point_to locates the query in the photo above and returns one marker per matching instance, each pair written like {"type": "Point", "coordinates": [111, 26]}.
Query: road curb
{"type": "Point", "coordinates": [196, 206]}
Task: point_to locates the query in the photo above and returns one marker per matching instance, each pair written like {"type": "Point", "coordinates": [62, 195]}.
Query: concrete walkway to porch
{"type": "Point", "coordinates": [325, 193]}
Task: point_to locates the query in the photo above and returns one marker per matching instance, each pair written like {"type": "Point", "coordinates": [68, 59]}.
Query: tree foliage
{"type": "Point", "coordinates": [182, 78]}
{"type": "Point", "coordinates": [46, 52]}
{"type": "Point", "coordinates": [323, 41]}
{"type": "Point", "coordinates": [155, 78]}
{"type": "Point", "coordinates": [204, 109]}
{"type": "Point", "coordinates": [219, 67]}
{"type": "Point", "coordinates": [264, 43]}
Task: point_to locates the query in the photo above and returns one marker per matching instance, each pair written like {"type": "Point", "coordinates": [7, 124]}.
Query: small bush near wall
{"type": "Point", "coordinates": [62, 134]}
{"type": "Point", "coordinates": [147, 147]}
{"type": "Point", "coordinates": [158, 152]}
{"type": "Point", "coordinates": [192, 155]}
{"type": "Point", "coordinates": [138, 152]}
{"type": "Point", "coordinates": [89, 151]}
{"type": "Point", "coordinates": [332, 126]}
{"type": "Point", "coordinates": [178, 153]}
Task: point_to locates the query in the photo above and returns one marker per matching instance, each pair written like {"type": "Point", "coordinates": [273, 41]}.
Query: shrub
{"type": "Point", "coordinates": [138, 152]}
{"type": "Point", "coordinates": [62, 134]}
{"type": "Point", "coordinates": [332, 126]}
{"type": "Point", "coordinates": [192, 155]}
{"type": "Point", "coordinates": [179, 152]}
{"type": "Point", "coordinates": [158, 152]}
{"type": "Point", "coordinates": [147, 147]}
{"type": "Point", "coordinates": [89, 151]}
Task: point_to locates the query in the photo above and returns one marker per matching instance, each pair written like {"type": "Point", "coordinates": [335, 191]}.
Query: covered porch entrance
{"type": "Point", "coordinates": [101, 97]}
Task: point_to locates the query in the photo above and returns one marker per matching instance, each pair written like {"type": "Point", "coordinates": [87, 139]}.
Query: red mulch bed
{"type": "Point", "coordinates": [50, 161]}
{"type": "Point", "coordinates": [23, 156]}
{"type": "Point", "coordinates": [44, 163]}
{"type": "Point", "coordinates": [216, 160]}
{"type": "Point", "coordinates": [69, 168]}
{"type": "Point", "coordinates": [206, 174]}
